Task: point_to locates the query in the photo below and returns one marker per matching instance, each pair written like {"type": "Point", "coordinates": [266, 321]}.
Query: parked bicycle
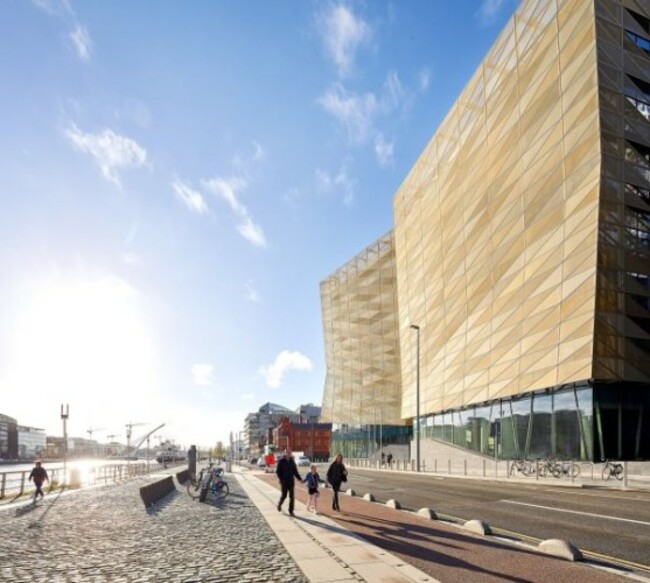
{"type": "Point", "coordinates": [544, 467]}
{"type": "Point", "coordinates": [208, 481]}
{"type": "Point", "coordinates": [565, 468]}
{"type": "Point", "coordinates": [523, 466]}
{"type": "Point", "coordinates": [612, 469]}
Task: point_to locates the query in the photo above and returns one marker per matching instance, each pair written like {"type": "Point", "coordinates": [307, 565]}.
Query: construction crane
{"type": "Point", "coordinates": [93, 429]}
{"type": "Point", "coordinates": [129, 428]}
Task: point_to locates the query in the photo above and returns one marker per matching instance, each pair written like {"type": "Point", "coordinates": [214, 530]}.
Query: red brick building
{"type": "Point", "coordinates": [311, 438]}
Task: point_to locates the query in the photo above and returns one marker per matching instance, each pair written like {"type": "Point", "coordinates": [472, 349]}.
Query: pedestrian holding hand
{"type": "Point", "coordinates": [312, 480]}
{"type": "Point", "coordinates": [39, 475]}
{"type": "Point", "coordinates": [336, 475]}
{"type": "Point", "coordinates": [286, 471]}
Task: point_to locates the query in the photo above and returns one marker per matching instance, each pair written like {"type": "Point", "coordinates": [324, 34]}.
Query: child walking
{"type": "Point", "coordinates": [312, 480]}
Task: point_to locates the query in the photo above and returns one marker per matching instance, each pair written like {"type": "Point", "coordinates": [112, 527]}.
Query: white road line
{"type": "Point", "coordinates": [576, 512]}
{"type": "Point", "coordinates": [594, 495]}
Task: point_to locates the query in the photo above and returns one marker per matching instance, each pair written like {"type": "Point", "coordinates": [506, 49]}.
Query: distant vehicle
{"type": "Point", "coordinates": [303, 460]}
{"type": "Point", "coordinates": [253, 460]}
{"type": "Point", "coordinates": [171, 453]}
{"type": "Point", "coordinates": [261, 463]}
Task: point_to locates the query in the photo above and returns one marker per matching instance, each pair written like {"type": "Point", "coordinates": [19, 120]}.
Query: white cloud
{"type": "Point", "coordinates": [326, 183]}
{"type": "Point", "coordinates": [190, 197]}
{"type": "Point", "coordinates": [228, 190]}
{"type": "Point", "coordinates": [130, 258]}
{"type": "Point", "coordinates": [110, 150]}
{"type": "Point", "coordinates": [488, 11]}
{"type": "Point", "coordinates": [285, 361]}
{"type": "Point", "coordinates": [203, 374]}
{"type": "Point", "coordinates": [82, 43]}
{"type": "Point", "coordinates": [355, 112]}
{"type": "Point", "coordinates": [252, 294]}
{"type": "Point", "coordinates": [424, 78]}
{"type": "Point", "coordinates": [54, 7]}
{"type": "Point", "coordinates": [251, 231]}
{"type": "Point", "coordinates": [259, 154]}
{"type": "Point", "coordinates": [394, 91]}
{"type": "Point", "coordinates": [343, 33]}
{"type": "Point", "coordinates": [245, 164]}
{"type": "Point", "coordinates": [383, 150]}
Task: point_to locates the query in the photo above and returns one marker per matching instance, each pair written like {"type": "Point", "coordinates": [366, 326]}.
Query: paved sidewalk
{"type": "Point", "coordinates": [325, 551]}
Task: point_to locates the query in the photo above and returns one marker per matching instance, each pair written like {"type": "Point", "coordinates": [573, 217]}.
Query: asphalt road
{"type": "Point", "coordinates": [611, 523]}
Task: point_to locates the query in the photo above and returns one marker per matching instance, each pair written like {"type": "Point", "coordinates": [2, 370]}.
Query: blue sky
{"type": "Point", "coordinates": [178, 177]}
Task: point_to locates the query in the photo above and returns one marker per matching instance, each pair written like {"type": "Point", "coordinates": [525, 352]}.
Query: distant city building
{"type": "Point", "coordinates": [309, 413]}
{"type": "Point", "coordinates": [8, 438]}
{"type": "Point", "coordinates": [520, 260]}
{"type": "Point", "coordinates": [258, 426]}
{"type": "Point", "coordinates": [32, 442]}
{"type": "Point", "coordinates": [313, 439]}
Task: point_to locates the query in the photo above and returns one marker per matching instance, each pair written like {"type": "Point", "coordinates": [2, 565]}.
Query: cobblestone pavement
{"type": "Point", "coordinates": [106, 534]}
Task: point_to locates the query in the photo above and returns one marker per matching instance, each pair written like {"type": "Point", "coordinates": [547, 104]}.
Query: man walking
{"type": "Point", "coordinates": [287, 473]}
{"type": "Point", "coordinates": [39, 475]}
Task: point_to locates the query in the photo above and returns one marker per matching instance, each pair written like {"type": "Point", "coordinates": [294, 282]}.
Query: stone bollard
{"type": "Point", "coordinates": [369, 497]}
{"type": "Point", "coordinates": [392, 503]}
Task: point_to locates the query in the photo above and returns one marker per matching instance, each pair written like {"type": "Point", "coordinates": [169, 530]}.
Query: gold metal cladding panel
{"type": "Point", "coordinates": [496, 225]}
{"type": "Point", "coordinates": [359, 310]}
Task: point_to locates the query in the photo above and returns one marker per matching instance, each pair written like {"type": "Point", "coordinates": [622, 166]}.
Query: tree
{"type": "Point", "coordinates": [219, 450]}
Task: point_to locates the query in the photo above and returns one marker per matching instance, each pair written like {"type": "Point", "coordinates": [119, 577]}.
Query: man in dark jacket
{"type": "Point", "coordinates": [39, 475]}
{"type": "Point", "coordinates": [287, 474]}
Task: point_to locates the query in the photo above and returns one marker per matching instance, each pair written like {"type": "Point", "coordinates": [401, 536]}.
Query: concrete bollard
{"type": "Point", "coordinates": [478, 527]}
{"type": "Point", "coordinates": [350, 492]}
{"type": "Point", "coordinates": [428, 513]}
{"type": "Point", "coordinates": [392, 503]}
{"type": "Point", "coordinates": [369, 497]}
{"type": "Point", "coordinates": [561, 549]}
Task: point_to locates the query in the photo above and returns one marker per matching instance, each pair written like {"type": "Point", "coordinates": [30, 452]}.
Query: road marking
{"type": "Point", "coordinates": [576, 512]}
{"type": "Point", "coordinates": [594, 495]}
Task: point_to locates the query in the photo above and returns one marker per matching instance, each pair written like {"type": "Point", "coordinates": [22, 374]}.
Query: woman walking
{"type": "Point", "coordinates": [336, 475]}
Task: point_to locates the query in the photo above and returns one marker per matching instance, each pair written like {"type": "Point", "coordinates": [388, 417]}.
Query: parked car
{"type": "Point", "coordinates": [303, 460]}
{"type": "Point", "coordinates": [261, 463]}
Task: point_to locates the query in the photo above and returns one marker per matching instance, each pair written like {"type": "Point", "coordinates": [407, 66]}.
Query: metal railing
{"type": "Point", "coordinates": [16, 483]}
{"type": "Point", "coordinates": [502, 469]}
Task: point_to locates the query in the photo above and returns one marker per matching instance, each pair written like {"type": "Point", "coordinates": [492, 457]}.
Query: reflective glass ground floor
{"type": "Point", "coordinates": [586, 421]}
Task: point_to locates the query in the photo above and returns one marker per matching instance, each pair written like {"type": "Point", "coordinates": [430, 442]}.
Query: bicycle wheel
{"type": "Point", "coordinates": [528, 469]}
{"type": "Point", "coordinates": [618, 471]}
{"type": "Point", "coordinates": [606, 471]}
{"type": "Point", "coordinates": [575, 470]}
{"type": "Point", "coordinates": [222, 490]}
{"type": "Point", "coordinates": [556, 470]}
{"type": "Point", "coordinates": [194, 488]}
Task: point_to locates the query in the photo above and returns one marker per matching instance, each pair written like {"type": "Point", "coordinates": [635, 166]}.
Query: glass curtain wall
{"type": "Point", "coordinates": [554, 424]}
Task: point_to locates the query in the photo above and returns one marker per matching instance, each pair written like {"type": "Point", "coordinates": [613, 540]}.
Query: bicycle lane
{"type": "Point", "coordinates": [446, 552]}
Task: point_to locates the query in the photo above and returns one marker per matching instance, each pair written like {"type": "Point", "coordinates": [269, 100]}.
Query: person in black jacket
{"type": "Point", "coordinates": [336, 475]}
{"type": "Point", "coordinates": [286, 472]}
{"type": "Point", "coordinates": [39, 475]}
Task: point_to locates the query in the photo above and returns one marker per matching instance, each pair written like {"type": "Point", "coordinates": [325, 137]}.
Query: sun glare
{"type": "Point", "coordinates": [85, 343]}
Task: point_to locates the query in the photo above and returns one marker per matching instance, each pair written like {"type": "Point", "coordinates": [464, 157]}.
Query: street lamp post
{"type": "Point", "coordinates": [417, 398]}
{"type": "Point", "coordinates": [65, 413]}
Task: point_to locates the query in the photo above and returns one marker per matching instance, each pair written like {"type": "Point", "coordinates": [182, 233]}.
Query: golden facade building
{"type": "Point", "coordinates": [362, 394]}
{"type": "Point", "coordinates": [522, 244]}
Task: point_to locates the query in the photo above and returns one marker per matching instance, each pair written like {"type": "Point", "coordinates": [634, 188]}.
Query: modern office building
{"type": "Point", "coordinates": [362, 395]}
{"type": "Point", "coordinates": [32, 442]}
{"type": "Point", "coordinates": [8, 438]}
{"type": "Point", "coordinates": [522, 249]}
